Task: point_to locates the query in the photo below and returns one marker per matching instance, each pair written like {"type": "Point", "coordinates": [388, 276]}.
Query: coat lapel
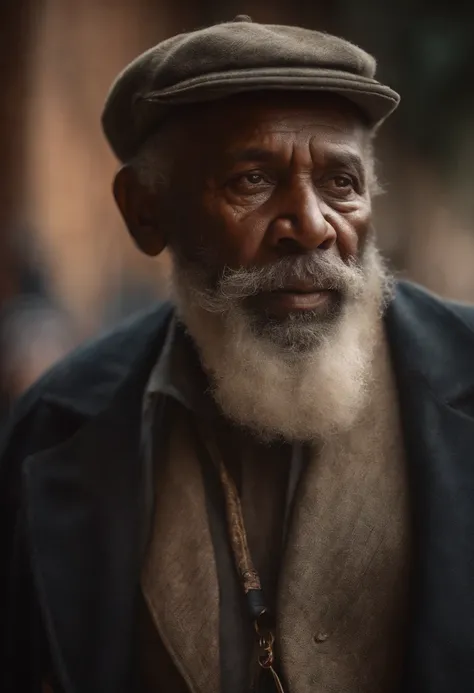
{"type": "Point", "coordinates": [179, 578]}
{"type": "Point", "coordinates": [349, 534]}
{"type": "Point", "coordinates": [85, 523]}
{"type": "Point", "coordinates": [433, 355]}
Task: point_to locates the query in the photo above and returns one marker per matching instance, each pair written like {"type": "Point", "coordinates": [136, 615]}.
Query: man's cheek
{"type": "Point", "coordinates": [352, 232]}
{"type": "Point", "coordinates": [244, 242]}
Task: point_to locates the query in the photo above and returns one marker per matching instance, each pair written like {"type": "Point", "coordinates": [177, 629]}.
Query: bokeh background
{"type": "Point", "coordinates": [68, 270]}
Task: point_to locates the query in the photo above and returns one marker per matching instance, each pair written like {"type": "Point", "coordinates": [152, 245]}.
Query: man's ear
{"type": "Point", "coordinates": [140, 209]}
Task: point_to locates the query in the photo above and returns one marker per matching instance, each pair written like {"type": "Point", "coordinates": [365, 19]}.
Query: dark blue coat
{"type": "Point", "coordinates": [71, 482]}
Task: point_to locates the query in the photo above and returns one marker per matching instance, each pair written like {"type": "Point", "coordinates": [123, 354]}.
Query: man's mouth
{"type": "Point", "coordinates": [301, 287]}
{"type": "Point", "coordinates": [298, 297]}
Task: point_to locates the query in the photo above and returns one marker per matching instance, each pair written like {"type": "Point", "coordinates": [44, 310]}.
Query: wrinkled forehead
{"type": "Point", "coordinates": [270, 120]}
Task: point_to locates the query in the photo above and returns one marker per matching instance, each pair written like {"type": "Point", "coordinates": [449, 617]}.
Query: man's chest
{"type": "Point", "coordinates": [338, 582]}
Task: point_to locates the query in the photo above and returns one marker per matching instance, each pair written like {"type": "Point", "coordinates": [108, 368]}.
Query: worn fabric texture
{"type": "Point", "coordinates": [156, 671]}
{"type": "Point", "coordinates": [179, 578]}
{"type": "Point", "coordinates": [343, 588]}
{"type": "Point", "coordinates": [342, 593]}
{"type": "Point", "coordinates": [233, 57]}
{"type": "Point", "coordinates": [261, 473]}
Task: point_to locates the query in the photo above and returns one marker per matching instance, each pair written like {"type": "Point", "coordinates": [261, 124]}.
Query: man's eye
{"type": "Point", "coordinates": [250, 183]}
{"type": "Point", "coordinates": [343, 182]}
{"type": "Point", "coordinates": [340, 185]}
{"type": "Point", "coordinates": [252, 178]}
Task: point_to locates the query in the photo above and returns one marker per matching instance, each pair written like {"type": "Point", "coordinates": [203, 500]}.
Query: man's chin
{"type": "Point", "coordinates": [296, 330]}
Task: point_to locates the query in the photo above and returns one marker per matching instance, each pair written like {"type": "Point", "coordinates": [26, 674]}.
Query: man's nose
{"type": "Point", "coordinates": [301, 225]}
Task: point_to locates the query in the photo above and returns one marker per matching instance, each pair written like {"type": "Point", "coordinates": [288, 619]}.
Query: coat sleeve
{"type": "Point", "coordinates": [23, 651]}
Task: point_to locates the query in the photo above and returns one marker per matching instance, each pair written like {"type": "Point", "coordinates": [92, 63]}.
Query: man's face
{"type": "Point", "coordinates": [266, 209]}
{"type": "Point", "coordinates": [271, 178]}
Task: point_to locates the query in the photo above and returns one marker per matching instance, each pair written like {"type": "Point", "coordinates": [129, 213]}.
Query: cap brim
{"type": "Point", "coordinates": [375, 100]}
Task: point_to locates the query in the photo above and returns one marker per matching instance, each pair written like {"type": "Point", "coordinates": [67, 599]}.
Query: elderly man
{"type": "Point", "coordinates": [268, 484]}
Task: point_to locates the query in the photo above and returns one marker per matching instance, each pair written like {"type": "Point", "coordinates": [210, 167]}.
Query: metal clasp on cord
{"type": "Point", "coordinates": [266, 639]}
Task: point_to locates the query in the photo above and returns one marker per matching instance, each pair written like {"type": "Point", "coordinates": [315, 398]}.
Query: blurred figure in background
{"type": "Point", "coordinates": [35, 332]}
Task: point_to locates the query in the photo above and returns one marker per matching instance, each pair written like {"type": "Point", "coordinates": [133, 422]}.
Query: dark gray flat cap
{"type": "Point", "coordinates": [237, 56]}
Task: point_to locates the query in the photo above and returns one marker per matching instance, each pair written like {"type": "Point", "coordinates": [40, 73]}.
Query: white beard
{"type": "Point", "coordinates": [282, 393]}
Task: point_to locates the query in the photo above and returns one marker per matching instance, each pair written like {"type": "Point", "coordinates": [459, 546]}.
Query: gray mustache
{"type": "Point", "coordinates": [316, 270]}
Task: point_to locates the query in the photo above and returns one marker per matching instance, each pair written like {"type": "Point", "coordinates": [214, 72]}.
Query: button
{"type": "Point", "coordinates": [321, 637]}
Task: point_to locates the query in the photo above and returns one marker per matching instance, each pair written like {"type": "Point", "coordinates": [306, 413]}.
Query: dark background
{"type": "Point", "coordinates": [67, 266]}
